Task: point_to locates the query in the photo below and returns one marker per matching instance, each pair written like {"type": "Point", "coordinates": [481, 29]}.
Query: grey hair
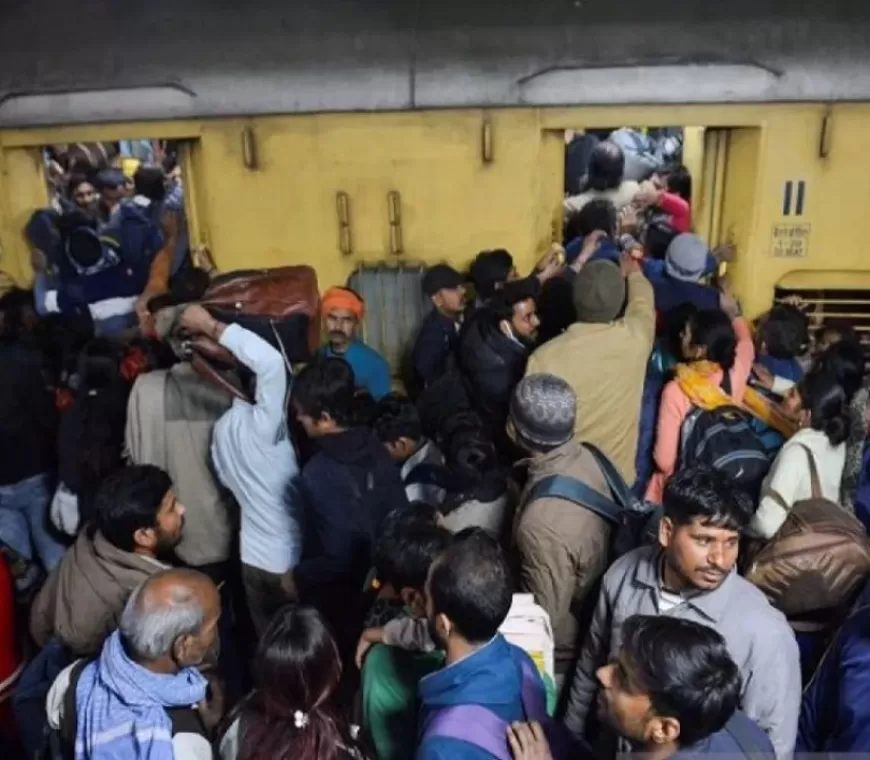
{"type": "Point", "coordinates": [149, 630]}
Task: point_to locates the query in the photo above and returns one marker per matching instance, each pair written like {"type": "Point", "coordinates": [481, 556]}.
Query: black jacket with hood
{"type": "Point", "coordinates": [349, 486]}
{"type": "Point", "coordinates": [492, 365]}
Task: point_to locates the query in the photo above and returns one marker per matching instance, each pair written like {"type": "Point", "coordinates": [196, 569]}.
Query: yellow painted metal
{"type": "Point", "coordinates": [705, 204]}
{"type": "Point", "coordinates": [24, 189]}
{"type": "Point", "coordinates": [693, 150]}
{"type": "Point", "coordinates": [715, 185]}
{"type": "Point", "coordinates": [193, 172]}
{"type": "Point", "coordinates": [453, 204]}
{"type": "Point", "coordinates": [736, 221]}
{"type": "Point", "coordinates": [832, 279]}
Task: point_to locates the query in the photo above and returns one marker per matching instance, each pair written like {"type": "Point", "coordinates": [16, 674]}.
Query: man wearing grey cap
{"type": "Point", "coordinates": [687, 261]}
{"type": "Point", "coordinates": [603, 356]}
{"type": "Point", "coordinates": [562, 546]}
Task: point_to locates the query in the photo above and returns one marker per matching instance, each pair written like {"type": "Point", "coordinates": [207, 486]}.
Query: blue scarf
{"type": "Point", "coordinates": [122, 706]}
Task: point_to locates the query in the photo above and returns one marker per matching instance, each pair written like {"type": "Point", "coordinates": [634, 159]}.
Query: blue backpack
{"type": "Point", "coordinates": [481, 727]}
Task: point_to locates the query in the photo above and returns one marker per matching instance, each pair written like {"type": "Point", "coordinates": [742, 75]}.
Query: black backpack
{"type": "Point", "coordinates": [634, 523]}
{"type": "Point", "coordinates": [724, 439]}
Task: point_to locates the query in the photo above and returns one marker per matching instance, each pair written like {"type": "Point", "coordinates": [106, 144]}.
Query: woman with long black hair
{"type": "Point", "coordinates": [810, 465]}
{"type": "Point", "coordinates": [717, 354]}
{"type": "Point", "coordinates": [292, 713]}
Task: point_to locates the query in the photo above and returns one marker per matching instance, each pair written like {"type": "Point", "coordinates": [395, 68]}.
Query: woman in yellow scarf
{"type": "Point", "coordinates": [719, 353]}
{"type": "Point", "coordinates": [694, 381]}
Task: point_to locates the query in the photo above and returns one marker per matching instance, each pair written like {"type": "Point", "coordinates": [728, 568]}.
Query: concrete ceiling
{"type": "Point", "coordinates": [66, 61]}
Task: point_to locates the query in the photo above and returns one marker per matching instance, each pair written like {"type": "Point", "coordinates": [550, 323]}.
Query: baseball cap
{"type": "Point", "coordinates": [440, 277]}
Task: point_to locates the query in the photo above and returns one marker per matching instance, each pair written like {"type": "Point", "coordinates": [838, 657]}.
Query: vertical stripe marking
{"type": "Point", "coordinates": [786, 201]}
{"type": "Point", "coordinates": [799, 204]}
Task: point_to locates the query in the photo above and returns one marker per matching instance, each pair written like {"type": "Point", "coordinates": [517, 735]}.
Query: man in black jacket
{"type": "Point", "coordinates": [493, 350]}
{"type": "Point", "coordinates": [349, 485]}
{"type": "Point", "coordinates": [439, 332]}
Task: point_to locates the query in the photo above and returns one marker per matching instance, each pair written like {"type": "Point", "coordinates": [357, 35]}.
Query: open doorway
{"type": "Point", "coordinates": [95, 184]}
{"type": "Point", "coordinates": [646, 150]}
{"type": "Point", "coordinates": [631, 183]}
{"type": "Point", "coordinates": [114, 234]}
{"type": "Point", "coordinates": [672, 180]}
{"type": "Point", "coordinates": [93, 177]}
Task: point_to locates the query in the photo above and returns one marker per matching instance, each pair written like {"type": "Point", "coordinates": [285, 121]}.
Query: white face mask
{"type": "Point", "coordinates": [508, 331]}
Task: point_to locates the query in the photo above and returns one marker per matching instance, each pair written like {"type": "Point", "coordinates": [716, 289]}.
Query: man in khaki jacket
{"type": "Point", "coordinates": [562, 546]}
{"type": "Point", "coordinates": [603, 356]}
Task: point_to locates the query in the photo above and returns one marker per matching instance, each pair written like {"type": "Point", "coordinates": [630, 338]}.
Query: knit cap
{"type": "Point", "coordinates": [686, 258]}
{"type": "Point", "coordinates": [542, 412]}
{"type": "Point", "coordinates": [599, 292]}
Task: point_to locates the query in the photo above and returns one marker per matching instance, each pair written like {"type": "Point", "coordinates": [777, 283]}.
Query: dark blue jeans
{"type": "Point", "coordinates": [28, 702]}
{"type": "Point", "coordinates": [24, 521]}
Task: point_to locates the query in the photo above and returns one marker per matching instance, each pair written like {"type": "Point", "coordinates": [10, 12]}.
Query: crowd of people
{"type": "Point", "coordinates": [320, 566]}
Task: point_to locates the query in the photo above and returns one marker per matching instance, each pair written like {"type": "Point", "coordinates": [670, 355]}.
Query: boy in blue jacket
{"type": "Point", "coordinates": [486, 683]}
{"type": "Point", "coordinates": [348, 487]}
{"type": "Point", "coordinates": [672, 692]}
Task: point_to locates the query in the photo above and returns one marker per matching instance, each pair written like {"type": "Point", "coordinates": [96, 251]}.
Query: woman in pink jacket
{"type": "Point", "coordinates": [672, 194]}
{"type": "Point", "coordinates": [713, 343]}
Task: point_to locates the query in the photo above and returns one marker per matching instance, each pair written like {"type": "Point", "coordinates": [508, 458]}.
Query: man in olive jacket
{"type": "Point", "coordinates": [562, 546]}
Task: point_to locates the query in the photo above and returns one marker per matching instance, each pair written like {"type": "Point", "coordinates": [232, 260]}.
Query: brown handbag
{"type": "Point", "coordinates": [282, 306]}
{"type": "Point", "coordinates": [817, 561]}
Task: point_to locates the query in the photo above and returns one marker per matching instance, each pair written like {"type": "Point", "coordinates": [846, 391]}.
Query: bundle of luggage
{"type": "Point", "coordinates": [282, 306]}
{"type": "Point", "coordinates": [816, 564]}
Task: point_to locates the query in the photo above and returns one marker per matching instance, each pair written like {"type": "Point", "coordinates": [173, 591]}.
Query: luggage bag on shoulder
{"type": "Point", "coordinates": [818, 560]}
{"type": "Point", "coordinates": [282, 306]}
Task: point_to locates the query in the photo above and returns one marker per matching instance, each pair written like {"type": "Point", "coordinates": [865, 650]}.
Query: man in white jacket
{"type": "Point", "coordinates": [254, 458]}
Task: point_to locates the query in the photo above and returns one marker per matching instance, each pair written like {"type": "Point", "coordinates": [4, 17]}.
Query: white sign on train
{"type": "Point", "coordinates": [790, 241]}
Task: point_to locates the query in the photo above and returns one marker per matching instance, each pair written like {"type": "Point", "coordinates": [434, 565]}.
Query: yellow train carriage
{"type": "Point", "coordinates": [351, 174]}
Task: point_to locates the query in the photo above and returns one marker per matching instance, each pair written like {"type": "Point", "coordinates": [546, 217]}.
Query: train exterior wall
{"type": "Point", "coordinates": [456, 200]}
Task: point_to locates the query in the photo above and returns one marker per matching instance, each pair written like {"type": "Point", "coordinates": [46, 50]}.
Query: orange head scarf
{"type": "Point", "coordinates": [343, 298]}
